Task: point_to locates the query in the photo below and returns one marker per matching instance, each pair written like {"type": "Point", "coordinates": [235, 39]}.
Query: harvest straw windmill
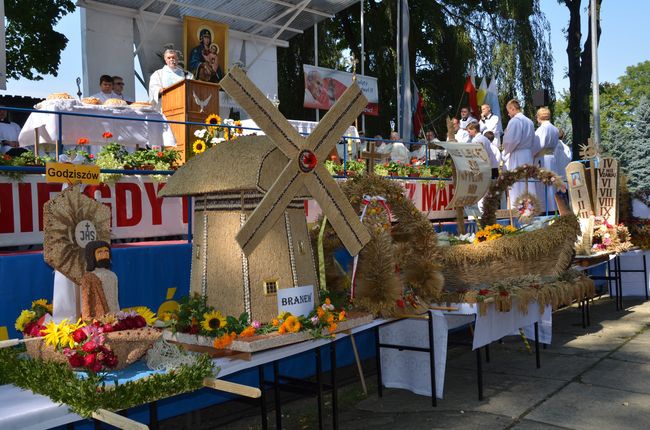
{"type": "Point", "coordinates": [240, 259]}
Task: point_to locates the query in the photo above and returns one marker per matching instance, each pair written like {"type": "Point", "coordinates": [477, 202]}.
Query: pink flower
{"type": "Point", "coordinates": [256, 324]}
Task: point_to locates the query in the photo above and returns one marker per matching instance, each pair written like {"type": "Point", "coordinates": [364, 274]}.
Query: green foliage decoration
{"type": "Point", "coordinates": [84, 396]}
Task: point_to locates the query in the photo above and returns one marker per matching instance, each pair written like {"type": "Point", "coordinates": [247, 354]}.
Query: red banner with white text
{"type": "Point", "coordinates": [137, 212]}
{"type": "Point", "coordinates": [136, 209]}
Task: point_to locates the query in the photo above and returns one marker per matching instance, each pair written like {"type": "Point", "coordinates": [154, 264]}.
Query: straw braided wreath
{"type": "Point", "coordinates": [506, 179]}
{"type": "Point", "coordinates": [400, 260]}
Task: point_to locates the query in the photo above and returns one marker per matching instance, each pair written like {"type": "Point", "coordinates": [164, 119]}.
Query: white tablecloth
{"type": "Point", "coordinates": [125, 132]}
{"type": "Point", "coordinates": [410, 370]}
{"type": "Point", "coordinates": [22, 409]}
{"type": "Point", "coordinates": [633, 284]}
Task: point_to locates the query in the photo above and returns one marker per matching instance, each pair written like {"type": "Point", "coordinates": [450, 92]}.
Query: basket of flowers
{"type": "Point", "coordinates": [112, 342]}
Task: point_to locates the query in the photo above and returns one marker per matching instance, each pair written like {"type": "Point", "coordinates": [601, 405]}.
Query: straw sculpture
{"type": "Point", "coordinates": [546, 252]}
{"type": "Point", "coordinates": [394, 261]}
{"type": "Point", "coordinates": [61, 216]}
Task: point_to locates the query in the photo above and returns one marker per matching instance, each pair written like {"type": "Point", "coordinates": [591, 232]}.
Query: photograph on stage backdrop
{"type": "Point", "coordinates": [205, 45]}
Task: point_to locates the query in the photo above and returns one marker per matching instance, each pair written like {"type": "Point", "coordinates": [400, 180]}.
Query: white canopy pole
{"type": "Point", "coordinates": [363, 62]}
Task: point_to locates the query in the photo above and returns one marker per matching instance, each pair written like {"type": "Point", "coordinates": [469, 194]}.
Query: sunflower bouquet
{"type": "Point", "coordinates": [321, 322]}
{"type": "Point", "coordinates": [214, 132]}
{"type": "Point", "coordinates": [494, 231]}
{"type": "Point", "coordinates": [30, 321]}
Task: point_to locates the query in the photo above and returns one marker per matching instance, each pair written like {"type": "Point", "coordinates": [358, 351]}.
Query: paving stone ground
{"type": "Point", "coordinates": [593, 378]}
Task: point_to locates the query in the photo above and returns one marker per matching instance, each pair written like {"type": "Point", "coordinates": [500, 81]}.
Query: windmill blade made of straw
{"type": "Point", "coordinates": [304, 167]}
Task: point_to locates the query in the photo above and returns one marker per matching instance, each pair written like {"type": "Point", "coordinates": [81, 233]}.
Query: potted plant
{"type": "Point", "coordinates": [395, 168]}
{"type": "Point", "coordinates": [355, 167]}
{"type": "Point", "coordinates": [333, 167]}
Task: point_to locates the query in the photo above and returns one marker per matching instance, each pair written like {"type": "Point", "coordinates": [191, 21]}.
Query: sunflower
{"type": "Point", "coordinates": [198, 146]}
{"type": "Point", "coordinates": [213, 321]}
{"type": "Point", "coordinates": [213, 119]}
{"type": "Point", "coordinates": [292, 324]}
{"type": "Point", "coordinates": [24, 318]}
{"type": "Point", "coordinates": [42, 303]}
{"type": "Point", "coordinates": [146, 313]}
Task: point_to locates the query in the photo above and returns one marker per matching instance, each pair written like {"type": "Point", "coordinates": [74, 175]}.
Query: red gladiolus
{"type": "Point", "coordinates": [76, 360]}
{"type": "Point", "coordinates": [107, 135]}
{"type": "Point", "coordinates": [89, 346]}
{"type": "Point", "coordinates": [89, 360]}
{"type": "Point", "coordinates": [82, 141]}
{"type": "Point", "coordinates": [79, 335]}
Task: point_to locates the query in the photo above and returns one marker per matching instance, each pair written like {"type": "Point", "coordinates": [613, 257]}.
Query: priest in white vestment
{"type": "Point", "coordinates": [168, 75]}
{"type": "Point", "coordinates": [461, 135]}
{"type": "Point", "coordinates": [518, 141]}
{"type": "Point", "coordinates": [546, 141]}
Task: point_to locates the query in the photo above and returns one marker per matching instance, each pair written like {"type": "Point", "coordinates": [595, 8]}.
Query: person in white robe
{"type": "Point", "coordinates": [563, 155]}
{"type": "Point", "coordinates": [518, 141]}
{"type": "Point", "coordinates": [398, 151]}
{"type": "Point", "coordinates": [491, 122]}
{"type": "Point", "coordinates": [168, 75]}
{"type": "Point", "coordinates": [466, 118]}
{"type": "Point", "coordinates": [9, 132]}
{"type": "Point", "coordinates": [546, 141]}
{"type": "Point", "coordinates": [474, 131]}
{"type": "Point", "coordinates": [461, 135]}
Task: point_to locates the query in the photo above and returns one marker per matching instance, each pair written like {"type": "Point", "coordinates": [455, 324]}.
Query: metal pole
{"type": "Point", "coordinates": [363, 64]}
{"type": "Point", "coordinates": [316, 60]}
{"type": "Point", "coordinates": [594, 72]}
{"type": "Point", "coordinates": [397, 68]}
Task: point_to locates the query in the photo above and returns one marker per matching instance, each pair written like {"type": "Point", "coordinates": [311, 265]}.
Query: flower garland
{"type": "Point", "coordinates": [506, 179]}
{"type": "Point", "coordinates": [85, 395]}
{"type": "Point", "coordinates": [528, 207]}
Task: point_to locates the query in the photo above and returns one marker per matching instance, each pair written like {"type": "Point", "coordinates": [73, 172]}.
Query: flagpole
{"type": "Point", "coordinates": [316, 61]}
{"type": "Point", "coordinates": [594, 74]}
{"type": "Point", "coordinates": [363, 63]}
{"type": "Point", "coordinates": [398, 40]}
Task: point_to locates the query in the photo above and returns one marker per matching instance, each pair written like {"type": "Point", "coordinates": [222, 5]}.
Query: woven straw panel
{"type": "Point", "coordinates": [60, 217]}
{"type": "Point", "coordinates": [228, 166]}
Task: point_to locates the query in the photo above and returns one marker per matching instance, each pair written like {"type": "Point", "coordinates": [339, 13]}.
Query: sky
{"type": "Point", "coordinates": [623, 23]}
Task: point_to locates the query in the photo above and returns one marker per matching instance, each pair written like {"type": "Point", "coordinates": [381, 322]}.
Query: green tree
{"type": "Point", "coordinates": [508, 40]}
{"type": "Point", "coordinates": [579, 61]}
{"type": "Point", "coordinates": [636, 80]}
{"type": "Point", "coordinates": [33, 47]}
{"type": "Point", "coordinates": [631, 146]}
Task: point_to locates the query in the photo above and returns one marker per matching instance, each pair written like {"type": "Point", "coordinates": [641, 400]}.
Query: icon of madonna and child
{"type": "Point", "coordinates": [204, 58]}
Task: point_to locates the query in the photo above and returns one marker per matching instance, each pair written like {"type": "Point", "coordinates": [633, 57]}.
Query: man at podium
{"type": "Point", "coordinates": [168, 75]}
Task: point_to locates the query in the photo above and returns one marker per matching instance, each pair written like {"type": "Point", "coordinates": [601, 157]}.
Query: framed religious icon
{"type": "Point", "coordinates": [205, 46]}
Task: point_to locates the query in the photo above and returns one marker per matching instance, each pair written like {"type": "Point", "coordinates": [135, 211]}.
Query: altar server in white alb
{"type": "Point", "coordinates": [518, 141]}
{"type": "Point", "coordinates": [563, 154]}
{"type": "Point", "coordinates": [493, 153]}
{"type": "Point", "coordinates": [466, 118]}
{"type": "Point", "coordinates": [168, 75]}
{"type": "Point", "coordinates": [491, 122]}
{"type": "Point", "coordinates": [546, 142]}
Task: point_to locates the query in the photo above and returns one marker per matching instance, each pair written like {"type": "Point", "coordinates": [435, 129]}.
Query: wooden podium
{"type": "Point", "coordinates": [179, 103]}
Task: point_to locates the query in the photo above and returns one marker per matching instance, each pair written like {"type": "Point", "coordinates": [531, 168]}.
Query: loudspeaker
{"type": "Point", "coordinates": [540, 98]}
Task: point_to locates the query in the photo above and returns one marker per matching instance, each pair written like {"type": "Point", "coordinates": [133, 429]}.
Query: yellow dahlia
{"type": "Point", "coordinates": [52, 332]}
{"type": "Point", "coordinates": [24, 318]}
{"type": "Point", "coordinates": [292, 324]}
{"type": "Point", "coordinates": [213, 321]}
